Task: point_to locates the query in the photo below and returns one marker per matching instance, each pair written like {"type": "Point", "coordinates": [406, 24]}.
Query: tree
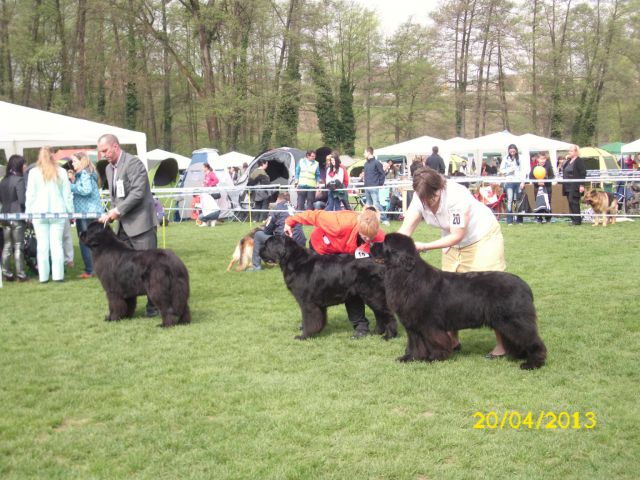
{"type": "Point", "coordinates": [325, 105]}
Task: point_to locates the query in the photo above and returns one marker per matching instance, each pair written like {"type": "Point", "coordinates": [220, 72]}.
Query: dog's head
{"type": "Point", "coordinates": [278, 248]}
{"type": "Point", "coordinates": [97, 234]}
{"type": "Point", "coordinates": [590, 196]}
{"type": "Point", "coordinates": [397, 250]}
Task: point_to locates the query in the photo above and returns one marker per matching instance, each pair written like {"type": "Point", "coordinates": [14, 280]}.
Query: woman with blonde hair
{"type": "Point", "coordinates": [347, 232]}
{"type": "Point", "coordinates": [49, 191]}
{"type": "Point", "coordinates": [86, 199]}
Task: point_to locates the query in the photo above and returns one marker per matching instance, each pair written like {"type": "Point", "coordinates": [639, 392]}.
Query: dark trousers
{"type": "Point", "coordinates": [13, 232]}
{"type": "Point", "coordinates": [355, 311]}
{"type": "Point", "coordinates": [574, 209]}
{"type": "Point", "coordinates": [261, 205]}
{"type": "Point", "coordinates": [306, 197]}
{"type": "Point", "coordinates": [144, 241]}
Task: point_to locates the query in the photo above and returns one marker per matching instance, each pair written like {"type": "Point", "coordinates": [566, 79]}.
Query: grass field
{"type": "Point", "coordinates": [234, 396]}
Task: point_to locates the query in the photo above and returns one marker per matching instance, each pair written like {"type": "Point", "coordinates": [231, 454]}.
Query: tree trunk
{"type": "Point", "coordinates": [80, 49]}
{"type": "Point", "coordinates": [6, 70]}
{"type": "Point", "coordinates": [65, 66]}
{"type": "Point", "coordinates": [272, 103]}
{"type": "Point", "coordinates": [167, 116]}
{"type": "Point", "coordinates": [501, 88]}
{"type": "Point", "coordinates": [534, 69]}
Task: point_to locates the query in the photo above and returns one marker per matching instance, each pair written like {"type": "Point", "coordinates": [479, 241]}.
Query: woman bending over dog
{"type": "Point", "coordinates": [471, 238]}
{"type": "Point", "coordinates": [347, 232]}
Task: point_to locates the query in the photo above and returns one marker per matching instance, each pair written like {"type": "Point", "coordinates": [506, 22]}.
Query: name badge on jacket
{"type": "Point", "coordinates": [119, 189]}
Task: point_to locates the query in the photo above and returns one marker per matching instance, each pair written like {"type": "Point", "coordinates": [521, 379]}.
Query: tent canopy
{"type": "Point", "coordinates": [633, 147]}
{"type": "Point", "coordinates": [598, 159]}
{"type": "Point", "coordinates": [233, 159]}
{"type": "Point", "coordinates": [613, 147]}
{"type": "Point", "coordinates": [410, 148]}
{"type": "Point", "coordinates": [156, 156]}
{"type": "Point", "coordinates": [499, 142]}
{"type": "Point", "coordinates": [164, 173]}
{"type": "Point", "coordinates": [25, 127]}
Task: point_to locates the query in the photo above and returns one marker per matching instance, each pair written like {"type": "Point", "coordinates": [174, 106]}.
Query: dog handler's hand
{"type": "Point", "coordinates": [422, 246]}
{"type": "Point", "coordinates": [288, 231]}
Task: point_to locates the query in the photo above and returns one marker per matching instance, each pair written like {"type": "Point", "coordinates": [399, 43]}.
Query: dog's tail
{"type": "Point", "coordinates": [236, 255]}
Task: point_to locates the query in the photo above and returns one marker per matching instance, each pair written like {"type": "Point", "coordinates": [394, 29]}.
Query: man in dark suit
{"type": "Point", "coordinates": [435, 161]}
{"type": "Point", "coordinates": [131, 199]}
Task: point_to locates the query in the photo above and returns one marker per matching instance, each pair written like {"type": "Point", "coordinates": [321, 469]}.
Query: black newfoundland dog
{"type": "Point", "coordinates": [320, 281]}
{"type": "Point", "coordinates": [430, 302]}
{"type": "Point", "coordinates": [126, 273]}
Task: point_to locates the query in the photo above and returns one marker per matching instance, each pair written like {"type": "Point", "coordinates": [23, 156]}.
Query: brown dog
{"type": "Point", "coordinates": [603, 204]}
{"type": "Point", "coordinates": [243, 252]}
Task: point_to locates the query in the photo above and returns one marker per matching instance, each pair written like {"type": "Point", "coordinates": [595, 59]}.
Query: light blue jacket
{"type": "Point", "coordinates": [48, 197]}
{"type": "Point", "coordinates": [86, 195]}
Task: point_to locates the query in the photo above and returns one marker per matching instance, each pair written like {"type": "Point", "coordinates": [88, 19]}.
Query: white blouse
{"type": "Point", "coordinates": [455, 199]}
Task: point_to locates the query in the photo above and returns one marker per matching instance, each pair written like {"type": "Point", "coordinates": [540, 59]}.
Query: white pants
{"type": "Point", "coordinates": [67, 243]}
{"type": "Point", "coordinates": [49, 235]}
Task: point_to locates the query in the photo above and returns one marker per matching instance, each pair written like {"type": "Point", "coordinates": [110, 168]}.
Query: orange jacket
{"type": "Point", "coordinates": [335, 232]}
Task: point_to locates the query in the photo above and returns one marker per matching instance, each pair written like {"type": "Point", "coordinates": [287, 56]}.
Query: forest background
{"type": "Point", "coordinates": [251, 74]}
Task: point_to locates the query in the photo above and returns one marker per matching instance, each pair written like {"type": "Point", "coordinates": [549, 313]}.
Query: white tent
{"type": "Point", "coordinates": [633, 147]}
{"type": "Point", "coordinates": [499, 142]}
{"type": "Point", "coordinates": [232, 159]}
{"type": "Point", "coordinates": [460, 145]}
{"type": "Point", "coordinates": [417, 146]}
{"type": "Point", "coordinates": [24, 127]}
{"type": "Point", "coordinates": [158, 155]}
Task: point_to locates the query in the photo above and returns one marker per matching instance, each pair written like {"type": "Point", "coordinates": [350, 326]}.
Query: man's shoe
{"type": "Point", "coordinates": [85, 275]}
{"type": "Point", "coordinates": [358, 334]}
{"type": "Point", "coordinates": [253, 269]}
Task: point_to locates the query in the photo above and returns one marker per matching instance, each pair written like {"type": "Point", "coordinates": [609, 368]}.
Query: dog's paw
{"type": "Point", "coordinates": [405, 358]}
{"type": "Point", "coordinates": [389, 335]}
{"type": "Point", "coordinates": [300, 337]}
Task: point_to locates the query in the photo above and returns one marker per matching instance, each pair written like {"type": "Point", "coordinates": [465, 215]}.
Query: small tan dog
{"type": "Point", "coordinates": [243, 252]}
{"type": "Point", "coordinates": [603, 204]}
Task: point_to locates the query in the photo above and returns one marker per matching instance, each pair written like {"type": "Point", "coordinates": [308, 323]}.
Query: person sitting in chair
{"type": "Point", "coordinates": [275, 226]}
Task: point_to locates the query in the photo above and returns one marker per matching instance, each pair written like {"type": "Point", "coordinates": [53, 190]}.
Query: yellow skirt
{"type": "Point", "coordinates": [487, 254]}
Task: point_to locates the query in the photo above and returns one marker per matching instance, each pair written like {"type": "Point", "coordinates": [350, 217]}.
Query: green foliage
{"type": "Point", "coordinates": [325, 105]}
{"type": "Point", "coordinates": [234, 396]}
{"type": "Point", "coordinates": [132, 105]}
{"type": "Point", "coordinates": [289, 106]}
{"type": "Point", "coordinates": [347, 123]}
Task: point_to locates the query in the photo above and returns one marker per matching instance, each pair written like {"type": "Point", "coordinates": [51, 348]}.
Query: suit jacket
{"type": "Point", "coordinates": [576, 171]}
{"type": "Point", "coordinates": [48, 197]}
{"type": "Point", "coordinates": [137, 212]}
{"type": "Point", "coordinates": [12, 194]}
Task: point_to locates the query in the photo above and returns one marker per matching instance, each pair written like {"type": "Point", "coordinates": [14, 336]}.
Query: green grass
{"type": "Point", "coordinates": [234, 396]}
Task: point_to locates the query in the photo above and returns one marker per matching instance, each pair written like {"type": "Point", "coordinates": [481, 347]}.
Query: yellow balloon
{"type": "Point", "coordinates": [539, 172]}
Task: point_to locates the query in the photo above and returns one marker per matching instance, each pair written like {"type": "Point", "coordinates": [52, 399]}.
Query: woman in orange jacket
{"type": "Point", "coordinates": [345, 232]}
